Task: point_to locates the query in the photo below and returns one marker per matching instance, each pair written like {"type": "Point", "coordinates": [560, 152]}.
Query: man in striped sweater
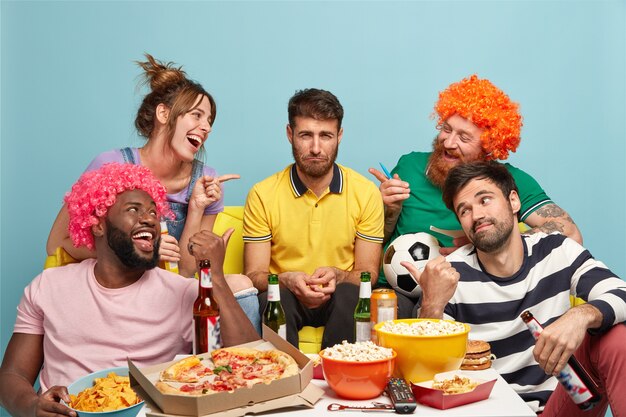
{"type": "Point", "coordinates": [502, 273]}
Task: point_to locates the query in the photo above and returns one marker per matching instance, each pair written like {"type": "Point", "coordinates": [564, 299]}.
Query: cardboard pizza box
{"type": "Point", "coordinates": [303, 400]}
{"type": "Point", "coordinates": [244, 397]}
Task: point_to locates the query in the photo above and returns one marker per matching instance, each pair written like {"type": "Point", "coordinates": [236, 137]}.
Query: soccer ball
{"type": "Point", "coordinates": [417, 248]}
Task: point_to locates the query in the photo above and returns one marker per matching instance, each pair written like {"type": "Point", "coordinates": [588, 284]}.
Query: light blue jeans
{"type": "Point", "coordinates": [249, 303]}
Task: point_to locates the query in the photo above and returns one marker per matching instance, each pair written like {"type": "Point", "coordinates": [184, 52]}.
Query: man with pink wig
{"type": "Point", "coordinates": [83, 317]}
{"type": "Point", "coordinates": [476, 121]}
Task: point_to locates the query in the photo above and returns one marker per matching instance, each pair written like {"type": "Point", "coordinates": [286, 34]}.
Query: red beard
{"type": "Point", "coordinates": [438, 168]}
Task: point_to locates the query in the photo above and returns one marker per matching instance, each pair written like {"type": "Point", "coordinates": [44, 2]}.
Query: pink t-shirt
{"type": "Point", "coordinates": [87, 327]}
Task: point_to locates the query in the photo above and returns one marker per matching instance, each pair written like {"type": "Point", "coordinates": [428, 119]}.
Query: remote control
{"type": "Point", "coordinates": [401, 396]}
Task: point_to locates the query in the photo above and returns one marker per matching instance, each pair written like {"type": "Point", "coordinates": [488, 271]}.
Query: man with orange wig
{"type": "Point", "coordinates": [476, 121]}
{"type": "Point", "coordinates": [87, 316]}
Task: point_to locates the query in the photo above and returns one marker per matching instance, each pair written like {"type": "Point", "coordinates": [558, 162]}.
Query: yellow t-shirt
{"type": "Point", "coordinates": [307, 232]}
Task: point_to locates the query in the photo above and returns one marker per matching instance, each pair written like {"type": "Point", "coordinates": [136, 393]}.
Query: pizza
{"type": "Point", "coordinates": [190, 369]}
{"type": "Point", "coordinates": [228, 370]}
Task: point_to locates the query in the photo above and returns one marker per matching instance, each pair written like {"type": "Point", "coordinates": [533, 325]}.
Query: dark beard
{"type": "Point", "coordinates": [314, 170]}
{"type": "Point", "coordinates": [437, 168]}
{"type": "Point", "coordinates": [493, 241]}
{"type": "Point", "coordinates": [122, 246]}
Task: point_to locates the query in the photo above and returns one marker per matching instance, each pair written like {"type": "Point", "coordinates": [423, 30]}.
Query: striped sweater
{"type": "Point", "coordinates": [554, 268]}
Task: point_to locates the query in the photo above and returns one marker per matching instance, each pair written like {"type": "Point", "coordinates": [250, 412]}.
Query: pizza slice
{"type": "Point", "coordinates": [190, 369]}
{"type": "Point", "coordinates": [256, 365]}
{"type": "Point", "coordinates": [187, 389]}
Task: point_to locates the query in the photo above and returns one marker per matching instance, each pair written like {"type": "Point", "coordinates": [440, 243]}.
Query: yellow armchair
{"type": "Point", "coordinates": [232, 216]}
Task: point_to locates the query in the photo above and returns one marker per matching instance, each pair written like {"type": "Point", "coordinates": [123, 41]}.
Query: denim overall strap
{"type": "Point", "coordinates": [129, 158]}
{"type": "Point", "coordinates": [196, 172]}
{"type": "Point", "coordinates": [175, 227]}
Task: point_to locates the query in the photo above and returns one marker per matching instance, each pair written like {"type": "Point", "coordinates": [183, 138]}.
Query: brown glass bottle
{"type": "Point", "coordinates": [580, 386]}
{"type": "Point", "coordinates": [206, 314]}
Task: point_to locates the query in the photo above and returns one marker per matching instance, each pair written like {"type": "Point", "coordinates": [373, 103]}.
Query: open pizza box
{"type": "Point", "coordinates": [304, 399]}
{"type": "Point", "coordinates": [242, 400]}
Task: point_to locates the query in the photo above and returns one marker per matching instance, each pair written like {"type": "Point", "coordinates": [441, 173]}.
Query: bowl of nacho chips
{"type": "Point", "coordinates": [104, 393]}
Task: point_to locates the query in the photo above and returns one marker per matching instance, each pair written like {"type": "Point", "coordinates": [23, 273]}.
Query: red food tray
{"type": "Point", "coordinates": [435, 398]}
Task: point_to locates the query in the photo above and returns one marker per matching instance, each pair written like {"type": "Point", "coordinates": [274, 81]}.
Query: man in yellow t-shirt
{"type": "Point", "coordinates": [316, 224]}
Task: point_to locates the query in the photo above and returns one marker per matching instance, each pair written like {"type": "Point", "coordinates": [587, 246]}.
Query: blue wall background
{"type": "Point", "coordinates": [69, 91]}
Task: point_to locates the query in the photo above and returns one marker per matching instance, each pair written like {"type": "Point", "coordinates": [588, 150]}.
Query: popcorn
{"type": "Point", "coordinates": [358, 352]}
{"type": "Point", "coordinates": [423, 328]}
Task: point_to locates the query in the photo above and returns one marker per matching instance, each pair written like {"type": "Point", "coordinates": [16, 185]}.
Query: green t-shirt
{"type": "Point", "coordinates": [425, 207]}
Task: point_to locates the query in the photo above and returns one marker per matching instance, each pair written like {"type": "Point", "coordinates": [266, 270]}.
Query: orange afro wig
{"type": "Point", "coordinates": [96, 191]}
{"type": "Point", "coordinates": [487, 107]}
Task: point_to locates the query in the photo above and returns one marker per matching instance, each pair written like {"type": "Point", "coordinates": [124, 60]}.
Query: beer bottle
{"type": "Point", "coordinates": [274, 315]}
{"type": "Point", "coordinates": [206, 314]}
{"type": "Point", "coordinates": [170, 266]}
{"type": "Point", "coordinates": [580, 386]}
{"type": "Point", "coordinates": [362, 325]}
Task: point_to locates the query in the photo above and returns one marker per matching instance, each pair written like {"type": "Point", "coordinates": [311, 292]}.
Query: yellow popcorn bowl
{"type": "Point", "coordinates": [421, 357]}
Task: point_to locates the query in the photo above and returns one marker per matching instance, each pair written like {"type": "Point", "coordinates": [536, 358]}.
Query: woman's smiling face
{"type": "Point", "coordinates": [192, 129]}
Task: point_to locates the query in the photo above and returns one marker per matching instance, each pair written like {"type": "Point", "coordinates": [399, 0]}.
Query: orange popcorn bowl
{"type": "Point", "coordinates": [357, 380]}
{"type": "Point", "coordinates": [420, 357]}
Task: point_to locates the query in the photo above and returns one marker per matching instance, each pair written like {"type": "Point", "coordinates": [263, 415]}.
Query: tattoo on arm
{"type": "Point", "coordinates": [547, 228]}
{"type": "Point", "coordinates": [552, 211]}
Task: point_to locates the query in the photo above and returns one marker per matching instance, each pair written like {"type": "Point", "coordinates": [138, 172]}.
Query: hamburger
{"type": "Point", "coordinates": [477, 356]}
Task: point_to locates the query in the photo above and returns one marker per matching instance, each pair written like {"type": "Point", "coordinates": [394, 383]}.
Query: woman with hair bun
{"type": "Point", "coordinates": [175, 117]}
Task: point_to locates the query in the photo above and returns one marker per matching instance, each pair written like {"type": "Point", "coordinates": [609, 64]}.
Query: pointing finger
{"type": "Point", "coordinates": [379, 175]}
{"type": "Point", "coordinates": [415, 273]}
{"type": "Point", "coordinates": [228, 177]}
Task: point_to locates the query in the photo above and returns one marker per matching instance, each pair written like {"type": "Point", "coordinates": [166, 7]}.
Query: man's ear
{"type": "Point", "coordinates": [98, 229]}
{"type": "Point", "coordinates": [289, 133]}
{"type": "Point", "coordinates": [340, 135]}
{"type": "Point", "coordinates": [162, 113]}
{"type": "Point", "coordinates": [514, 201]}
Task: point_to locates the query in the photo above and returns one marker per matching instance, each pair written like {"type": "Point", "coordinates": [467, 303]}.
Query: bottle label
{"type": "Point", "coordinates": [282, 331]}
{"type": "Point", "coordinates": [172, 267]}
{"type": "Point", "coordinates": [535, 328]}
{"type": "Point", "coordinates": [363, 331]}
{"type": "Point", "coordinates": [386, 313]}
{"type": "Point", "coordinates": [365, 290]}
{"type": "Point", "coordinates": [213, 336]}
{"type": "Point", "coordinates": [206, 280]}
{"type": "Point", "coordinates": [573, 385]}
{"type": "Point", "coordinates": [168, 266]}
{"type": "Point", "coordinates": [273, 293]}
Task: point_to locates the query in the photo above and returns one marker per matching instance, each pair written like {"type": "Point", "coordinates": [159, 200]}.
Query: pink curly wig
{"type": "Point", "coordinates": [487, 107]}
{"type": "Point", "coordinates": [96, 191]}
